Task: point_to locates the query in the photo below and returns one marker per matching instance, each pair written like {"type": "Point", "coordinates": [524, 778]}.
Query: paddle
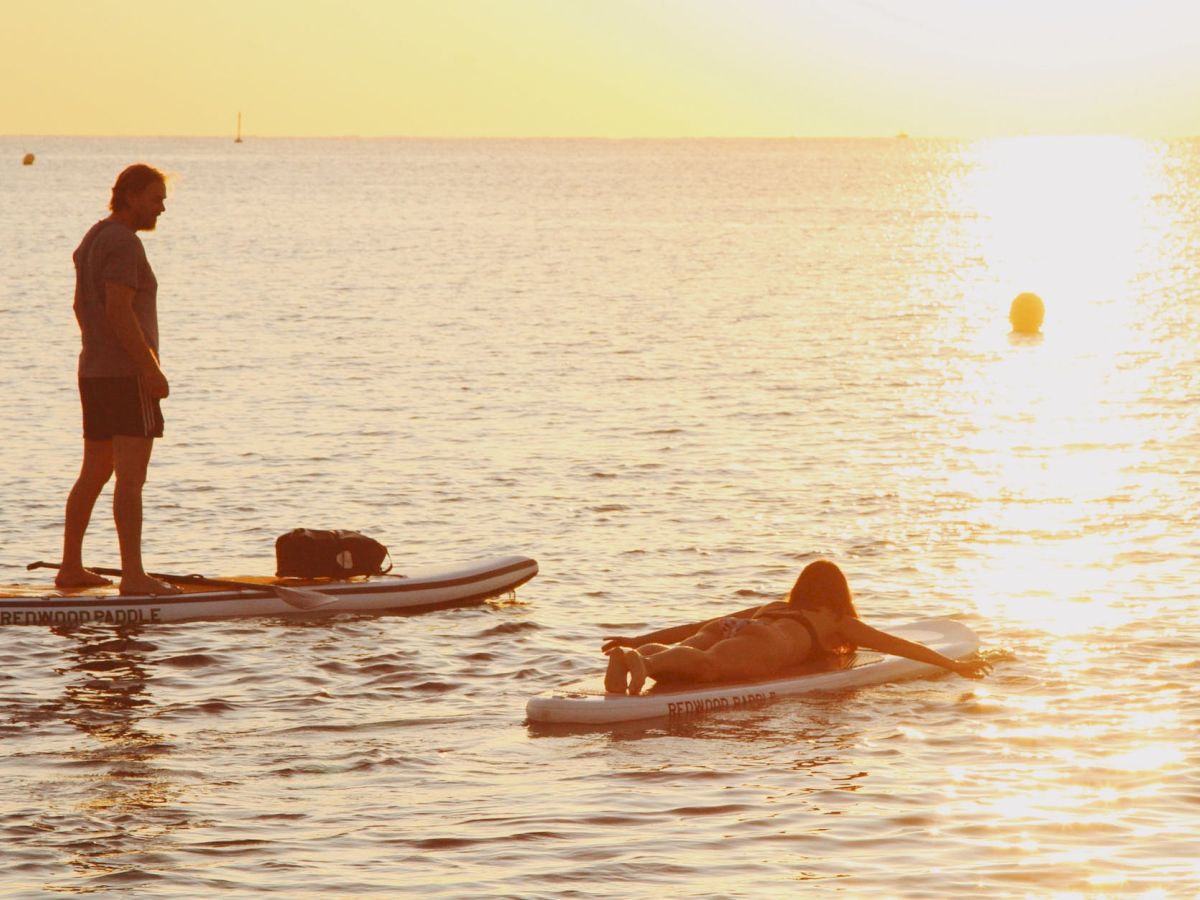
{"type": "Point", "coordinates": [301, 598]}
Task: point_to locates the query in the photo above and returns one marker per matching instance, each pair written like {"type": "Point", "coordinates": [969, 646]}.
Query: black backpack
{"type": "Point", "coordinates": [307, 553]}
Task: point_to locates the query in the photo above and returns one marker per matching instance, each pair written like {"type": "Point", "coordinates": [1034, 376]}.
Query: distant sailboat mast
{"type": "Point", "coordinates": [238, 139]}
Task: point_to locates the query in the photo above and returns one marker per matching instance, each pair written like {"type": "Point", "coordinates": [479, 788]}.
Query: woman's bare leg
{"type": "Point", "coordinates": [736, 658]}
{"type": "Point", "coordinates": [627, 670]}
{"type": "Point", "coordinates": [710, 634]}
{"type": "Point", "coordinates": [637, 671]}
{"type": "Point", "coordinates": [680, 663]}
{"type": "Point", "coordinates": [616, 678]}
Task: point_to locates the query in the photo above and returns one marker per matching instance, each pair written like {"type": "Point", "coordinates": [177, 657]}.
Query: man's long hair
{"type": "Point", "coordinates": [134, 179]}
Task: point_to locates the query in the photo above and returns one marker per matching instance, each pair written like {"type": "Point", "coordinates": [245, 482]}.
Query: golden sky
{"type": "Point", "coordinates": [607, 68]}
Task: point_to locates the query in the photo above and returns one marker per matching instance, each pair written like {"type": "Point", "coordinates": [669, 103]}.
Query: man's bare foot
{"type": "Point", "coordinates": [617, 674]}
{"type": "Point", "coordinates": [637, 671]}
{"type": "Point", "coordinates": [79, 578]}
{"type": "Point", "coordinates": [144, 584]}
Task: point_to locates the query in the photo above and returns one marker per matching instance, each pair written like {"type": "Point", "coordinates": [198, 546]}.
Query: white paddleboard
{"type": "Point", "coordinates": [438, 587]}
{"type": "Point", "coordinates": [587, 703]}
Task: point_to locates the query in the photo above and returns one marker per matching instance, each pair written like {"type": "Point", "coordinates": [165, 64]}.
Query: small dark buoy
{"type": "Point", "coordinates": [28, 159]}
{"type": "Point", "coordinates": [1026, 313]}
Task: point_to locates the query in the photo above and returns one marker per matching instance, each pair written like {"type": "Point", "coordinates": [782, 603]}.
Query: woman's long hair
{"type": "Point", "coordinates": [822, 584]}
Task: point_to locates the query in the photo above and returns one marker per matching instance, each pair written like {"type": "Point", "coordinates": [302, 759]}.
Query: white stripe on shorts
{"type": "Point", "coordinates": [147, 407]}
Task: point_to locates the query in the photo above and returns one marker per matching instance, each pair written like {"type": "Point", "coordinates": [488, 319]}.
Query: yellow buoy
{"type": "Point", "coordinates": [1026, 313]}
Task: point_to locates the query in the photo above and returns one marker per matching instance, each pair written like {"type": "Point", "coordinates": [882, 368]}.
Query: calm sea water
{"type": "Point", "coordinates": [673, 372]}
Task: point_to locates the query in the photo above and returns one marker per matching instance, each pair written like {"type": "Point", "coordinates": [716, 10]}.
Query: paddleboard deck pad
{"type": "Point", "coordinates": [420, 590]}
{"type": "Point", "coordinates": [587, 703]}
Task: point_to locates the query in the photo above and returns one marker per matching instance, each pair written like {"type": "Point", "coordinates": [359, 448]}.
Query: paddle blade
{"type": "Point", "coordinates": [302, 598]}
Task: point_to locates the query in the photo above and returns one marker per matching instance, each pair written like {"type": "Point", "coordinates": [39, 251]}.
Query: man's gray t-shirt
{"type": "Point", "coordinates": [111, 251]}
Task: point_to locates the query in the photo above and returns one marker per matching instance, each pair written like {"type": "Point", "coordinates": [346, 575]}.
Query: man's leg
{"type": "Point", "coordinates": [93, 475]}
{"type": "Point", "coordinates": [131, 459]}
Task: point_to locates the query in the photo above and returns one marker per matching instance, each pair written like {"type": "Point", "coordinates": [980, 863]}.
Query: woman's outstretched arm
{"type": "Point", "coordinates": [663, 636]}
{"type": "Point", "coordinates": [863, 635]}
{"type": "Point", "coordinates": [672, 635]}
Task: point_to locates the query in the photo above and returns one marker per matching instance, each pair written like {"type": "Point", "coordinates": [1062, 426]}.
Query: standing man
{"type": "Point", "coordinates": [120, 379]}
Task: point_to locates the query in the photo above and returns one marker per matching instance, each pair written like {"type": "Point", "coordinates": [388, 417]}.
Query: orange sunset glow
{"type": "Point", "coordinates": [626, 448]}
{"type": "Point", "coordinates": [620, 68]}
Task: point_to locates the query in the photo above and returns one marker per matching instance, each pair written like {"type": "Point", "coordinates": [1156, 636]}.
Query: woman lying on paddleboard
{"type": "Point", "coordinates": [818, 619]}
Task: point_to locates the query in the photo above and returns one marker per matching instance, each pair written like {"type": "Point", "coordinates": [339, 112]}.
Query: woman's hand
{"type": "Point", "coordinates": [612, 642]}
{"type": "Point", "coordinates": [973, 668]}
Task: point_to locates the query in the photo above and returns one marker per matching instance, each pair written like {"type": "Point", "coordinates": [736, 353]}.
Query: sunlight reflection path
{"type": "Point", "coordinates": [1047, 446]}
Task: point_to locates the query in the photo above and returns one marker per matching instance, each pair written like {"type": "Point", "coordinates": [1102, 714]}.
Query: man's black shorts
{"type": "Point", "coordinates": [118, 406]}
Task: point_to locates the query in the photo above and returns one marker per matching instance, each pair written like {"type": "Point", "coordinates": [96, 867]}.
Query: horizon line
{"type": "Point", "coordinates": [899, 135]}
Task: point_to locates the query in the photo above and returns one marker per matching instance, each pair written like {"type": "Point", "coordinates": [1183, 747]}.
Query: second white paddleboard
{"type": "Point", "coordinates": [587, 703]}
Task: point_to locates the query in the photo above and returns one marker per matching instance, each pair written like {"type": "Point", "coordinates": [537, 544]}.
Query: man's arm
{"type": "Point", "coordinates": [118, 306]}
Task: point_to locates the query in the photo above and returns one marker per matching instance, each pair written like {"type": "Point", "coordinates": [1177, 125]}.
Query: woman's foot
{"type": "Point", "coordinates": [617, 675]}
{"type": "Point", "coordinates": [79, 577]}
{"type": "Point", "coordinates": [144, 584]}
{"type": "Point", "coordinates": [637, 671]}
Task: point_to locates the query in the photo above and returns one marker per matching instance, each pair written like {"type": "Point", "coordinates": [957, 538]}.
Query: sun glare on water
{"type": "Point", "coordinates": [1072, 218]}
{"type": "Point", "coordinates": [1050, 445]}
